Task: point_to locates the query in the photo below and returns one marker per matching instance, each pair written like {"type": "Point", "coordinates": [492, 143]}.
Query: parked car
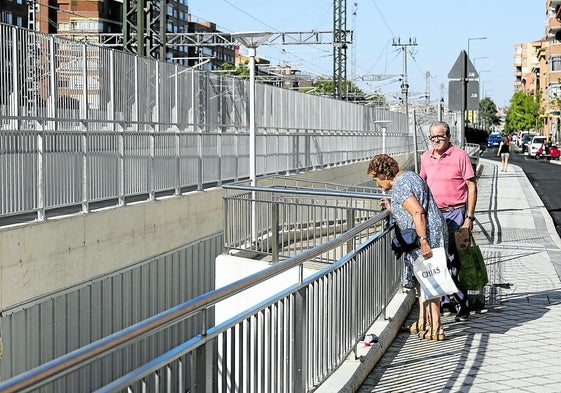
{"type": "Point", "coordinates": [526, 139]}
{"type": "Point", "coordinates": [548, 151]}
{"type": "Point", "coordinates": [535, 144]}
{"type": "Point", "coordinates": [494, 139]}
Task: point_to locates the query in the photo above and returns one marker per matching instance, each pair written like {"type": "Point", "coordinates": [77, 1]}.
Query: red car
{"type": "Point", "coordinates": [548, 152]}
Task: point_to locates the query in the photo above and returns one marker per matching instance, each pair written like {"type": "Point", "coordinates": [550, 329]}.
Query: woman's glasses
{"type": "Point", "coordinates": [437, 138]}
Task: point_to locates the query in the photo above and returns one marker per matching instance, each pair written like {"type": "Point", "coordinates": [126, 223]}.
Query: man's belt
{"type": "Point", "coordinates": [451, 208]}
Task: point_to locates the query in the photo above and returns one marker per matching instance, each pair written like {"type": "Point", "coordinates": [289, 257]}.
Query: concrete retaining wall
{"type": "Point", "coordinates": [39, 258]}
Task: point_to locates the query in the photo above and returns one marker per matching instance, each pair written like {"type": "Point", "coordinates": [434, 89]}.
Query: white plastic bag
{"type": "Point", "coordinates": [433, 275]}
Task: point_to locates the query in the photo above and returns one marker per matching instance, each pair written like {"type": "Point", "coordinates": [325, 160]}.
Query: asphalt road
{"type": "Point", "coordinates": [544, 176]}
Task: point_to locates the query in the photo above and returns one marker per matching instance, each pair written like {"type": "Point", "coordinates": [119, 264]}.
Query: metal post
{"type": "Point", "coordinates": [251, 40]}
{"type": "Point", "coordinates": [405, 86]}
{"type": "Point", "coordinates": [274, 232]}
{"type": "Point", "coordinates": [84, 136]}
{"type": "Point", "coordinates": [475, 38]}
{"type": "Point", "coordinates": [463, 106]}
{"type": "Point", "coordinates": [300, 342]}
{"type": "Point", "coordinates": [384, 130]}
{"type": "Point", "coordinates": [415, 147]}
{"type": "Point", "coordinates": [177, 137]}
{"type": "Point", "coordinates": [252, 137]}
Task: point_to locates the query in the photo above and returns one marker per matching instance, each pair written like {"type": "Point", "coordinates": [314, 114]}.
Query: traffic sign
{"type": "Point", "coordinates": [456, 72]}
{"type": "Point", "coordinates": [455, 95]}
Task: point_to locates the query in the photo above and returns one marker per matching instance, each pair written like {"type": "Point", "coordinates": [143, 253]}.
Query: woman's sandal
{"type": "Point", "coordinates": [429, 335]}
{"type": "Point", "coordinates": [437, 337]}
{"type": "Point", "coordinates": [425, 334]}
{"type": "Point", "coordinates": [413, 328]}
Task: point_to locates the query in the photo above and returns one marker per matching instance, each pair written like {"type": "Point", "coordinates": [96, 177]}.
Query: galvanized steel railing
{"type": "Point", "coordinates": [289, 342]}
{"type": "Point", "coordinates": [82, 126]}
{"type": "Point", "coordinates": [282, 217]}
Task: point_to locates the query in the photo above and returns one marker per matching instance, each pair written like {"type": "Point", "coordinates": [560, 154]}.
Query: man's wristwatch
{"type": "Point", "coordinates": [472, 218]}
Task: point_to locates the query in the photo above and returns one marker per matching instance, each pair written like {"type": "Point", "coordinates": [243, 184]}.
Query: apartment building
{"type": "Point", "coordinates": [537, 69]}
{"type": "Point", "coordinates": [525, 63]}
{"type": "Point", "coordinates": [552, 82]}
{"type": "Point", "coordinates": [211, 57]}
{"type": "Point", "coordinates": [14, 12]}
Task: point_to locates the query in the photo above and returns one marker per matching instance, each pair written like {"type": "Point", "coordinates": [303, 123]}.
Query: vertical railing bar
{"type": "Point", "coordinates": [275, 337]}
{"type": "Point", "coordinates": [242, 356]}
{"type": "Point", "coordinates": [84, 134]}
{"type": "Point", "coordinates": [180, 379]}
{"type": "Point", "coordinates": [268, 338]}
{"type": "Point", "coordinates": [51, 102]}
{"type": "Point", "coordinates": [85, 170]}
{"type": "Point", "coordinates": [177, 134]}
{"type": "Point", "coordinates": [199, 138]}
{"type": "Point", "coordinates": [262, 343]}
{"type": "Point", "coordinates": [275, 231]}
{"type": "Point", "coordinates": [154, 129]}
{"type": "Point", "coordinates": [41, 175]}
{"type": "Point", "coordinates": [152, 164]}
{"type": "Point", "coordinates": [14, 104]}
{"type": "Point", "coordinates": [300, 342]}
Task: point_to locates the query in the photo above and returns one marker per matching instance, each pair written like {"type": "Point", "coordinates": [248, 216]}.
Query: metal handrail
{"type": "Point", "coordinates": [297, 191]}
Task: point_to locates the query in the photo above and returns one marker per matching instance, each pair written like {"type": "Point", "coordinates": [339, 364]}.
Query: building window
{"type": "Point", "coordinates": [85, 25]}
{"type": "Point", "coordinates": [555, 63]}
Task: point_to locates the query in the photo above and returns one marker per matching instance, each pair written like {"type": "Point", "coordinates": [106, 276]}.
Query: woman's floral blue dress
{"type": "Point", "coordinates": [410, 184]}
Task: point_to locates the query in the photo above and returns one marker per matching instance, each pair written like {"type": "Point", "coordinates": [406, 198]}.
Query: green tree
{"type": "Point", "coordinates": [523, 113]}
{"type": "Point", "coordinates": [488, 112]}
{"type": "Point", "coordinates": [240, 70]}
{"type": "Point", "coordinates": [326, 87]}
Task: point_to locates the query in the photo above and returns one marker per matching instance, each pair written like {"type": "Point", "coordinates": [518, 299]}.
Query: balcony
{"type": "Point", "coordinates": [553, 27]}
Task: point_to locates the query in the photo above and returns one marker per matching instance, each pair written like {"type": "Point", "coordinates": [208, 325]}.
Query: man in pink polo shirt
{"type": "Point", "coordinates": [448, 171]}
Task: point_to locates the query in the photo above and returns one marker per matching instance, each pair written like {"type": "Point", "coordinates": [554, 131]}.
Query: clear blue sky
{"type": "Point", "coordinates": [441, 29]}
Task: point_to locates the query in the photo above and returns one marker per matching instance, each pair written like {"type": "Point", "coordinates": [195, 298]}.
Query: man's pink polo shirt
{"type": "Point", "coordinates": [446, 175]}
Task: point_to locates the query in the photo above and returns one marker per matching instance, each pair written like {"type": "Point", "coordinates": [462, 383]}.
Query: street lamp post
{"type": "Point", "coordinates": [472, 39]}
{"type": "Point", "coordinates": [477, 58]}
{"type": "Point", "coordinates": [251, 40]}
{"type": "Point", "coordinates": [468, 112]}
{"type": "Point", "coordinates": [480, 96]}
{"type": "Point", "coordinates": [479, 92]}
{"type": "Point", "coordinates": [484, 89]}
{"type": "Point", "coordinates": [483, 83]}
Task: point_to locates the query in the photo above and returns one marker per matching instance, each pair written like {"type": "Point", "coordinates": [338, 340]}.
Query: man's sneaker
{"type": "Point", "coordinates": [462, 316]}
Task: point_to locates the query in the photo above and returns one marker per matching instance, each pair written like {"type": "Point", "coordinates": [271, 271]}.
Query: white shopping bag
{"type": "Point", "coordinates": [433, 275]}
